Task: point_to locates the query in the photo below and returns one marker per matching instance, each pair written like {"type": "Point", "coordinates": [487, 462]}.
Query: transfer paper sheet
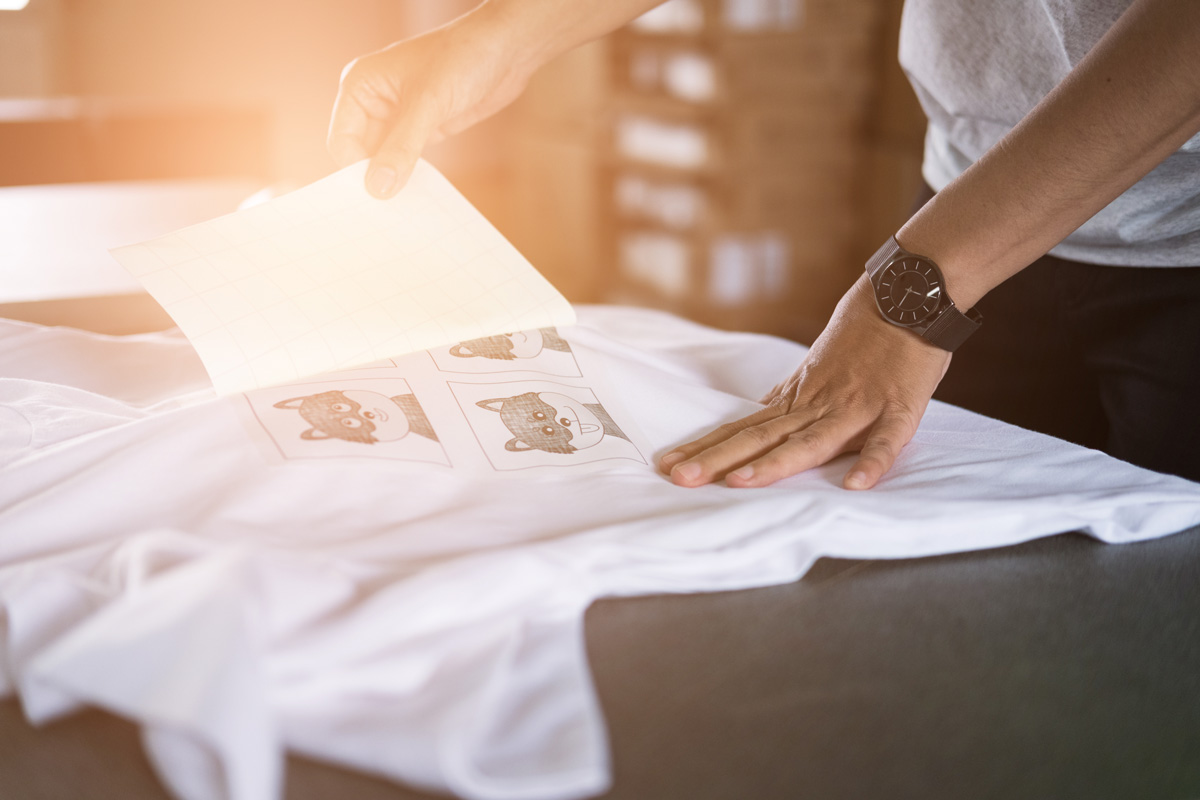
{"type": "Point", "coordinates": [327, 278]}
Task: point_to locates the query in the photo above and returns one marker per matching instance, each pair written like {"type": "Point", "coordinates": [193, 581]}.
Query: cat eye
{"type": "Point", "coordinates": [538, 415]}
{"type": "Point", "coordinates": [548, 430]}
{"type": "Point", "coordinates": [340, 407]}
{"type": "Point", "coordinates": [351, 422]}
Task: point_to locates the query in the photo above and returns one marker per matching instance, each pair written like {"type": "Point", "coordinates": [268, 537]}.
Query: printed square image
{"type": "Point", "coordinates": [538, 350]}
{"type": "Point", "coordinates": [347, 418]}
{"type": "Point", "coordinates": [522, 424]}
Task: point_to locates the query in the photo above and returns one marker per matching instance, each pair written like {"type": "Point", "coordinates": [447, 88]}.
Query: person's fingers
{"type": "Point", "coordinates": [394, 161]}
{"type": "Point", "coordinates": [346, 141]}
{"type": "Point", "coordinates": [377, 131]}
{"type": "Point", "coordinates": [775, 392]}
{"type": "Point", "coordinates": [350, 126]}
{"type": "Point", "coordinates": [689, 449]}
{"type": "Point", "coordinates": [882, 446]}
{"type": "Point", "coordinates": [746, 444]}
{"type": "Point", "coordinates": [802, 450]}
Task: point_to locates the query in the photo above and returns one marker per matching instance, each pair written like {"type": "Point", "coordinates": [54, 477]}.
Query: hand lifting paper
{"type": "Point", "coordinates": [329, 278]}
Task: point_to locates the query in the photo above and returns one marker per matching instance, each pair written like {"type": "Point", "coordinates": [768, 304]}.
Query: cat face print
{"type": "Point", "coordinates": [509, 346]}
{"type": "Point", "coordinates": [505, 347]}
{"type": "Point", "coordinates": [548, 421]}
{"type": "Point", "coordinates": [356, 415]}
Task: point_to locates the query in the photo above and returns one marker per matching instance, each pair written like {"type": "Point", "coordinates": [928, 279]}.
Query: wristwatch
{"type": "Point", "coordinates": [911, 293]}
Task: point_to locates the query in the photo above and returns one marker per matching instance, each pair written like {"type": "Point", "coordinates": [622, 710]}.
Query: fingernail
{"type": "Point", "coordinates": [689, 472]}
{"type": "Point", "coordinates": [743, 474]}
{"type": "Point", "coordinates": [856, 480]}
{"type": "Point", "coordinates": [671, 459]}
{"type": "Point", "coordinates": [381, 181]}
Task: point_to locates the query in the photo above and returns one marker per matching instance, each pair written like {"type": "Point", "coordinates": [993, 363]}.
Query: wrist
{"type": "Point", "coordinates": [859, 310]}
{"type": "Point", "coordinates": [972, 254]}
{"type": "Point", "coordinates": [521, 41]}
{"type": "Point", "coordinates": [956, 265]}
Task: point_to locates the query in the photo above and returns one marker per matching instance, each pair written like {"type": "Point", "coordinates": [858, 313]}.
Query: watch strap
{"type": "Point", "coordinates": [889, 250]}
{"type": "Point", "coordinates": [952, 327]}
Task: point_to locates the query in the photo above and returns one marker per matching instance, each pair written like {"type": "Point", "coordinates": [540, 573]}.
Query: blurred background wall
{"type": "Point", "coordinates": [735, 161]}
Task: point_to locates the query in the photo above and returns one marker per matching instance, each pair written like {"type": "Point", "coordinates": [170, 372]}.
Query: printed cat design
{"type": "Point", "coordinates": [509, 346]}
{"type": "Point", "coordinates": [552, 422]}
{"type": "Point", "coordinates": [361, 416]}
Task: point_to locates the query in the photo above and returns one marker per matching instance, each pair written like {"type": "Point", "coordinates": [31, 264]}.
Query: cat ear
{"type": "Point", "coordinates": [461, 352]}
{"type": "Point", "coordinates": [295, 402]}
{"type": "Point", "coordinates": [514, 446]}
{"type": "Point", "coordinates": [313, 434]}
{"type": "Point", "coordinates": [495, 404]}
{"type": "Point", "coordinates": [552, 341]}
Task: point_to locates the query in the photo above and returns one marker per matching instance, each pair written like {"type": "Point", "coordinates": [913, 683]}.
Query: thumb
{"type": "Point", "coordinates": [393, 163]}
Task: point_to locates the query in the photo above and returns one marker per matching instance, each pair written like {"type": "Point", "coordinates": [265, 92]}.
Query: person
{"type": "Point", "coordinates": [1064, 125]}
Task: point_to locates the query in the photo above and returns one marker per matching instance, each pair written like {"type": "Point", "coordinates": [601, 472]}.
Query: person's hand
{"type": "Point", "coordinates": [394, 102]}
{"type": "Point", "coordinates": [863, 386]}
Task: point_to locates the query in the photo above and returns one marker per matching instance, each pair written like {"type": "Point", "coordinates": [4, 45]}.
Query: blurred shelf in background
{"type": "Point", "coordinates": [734, 161]}
{"type": "Point", "coordinates": [741, 157]}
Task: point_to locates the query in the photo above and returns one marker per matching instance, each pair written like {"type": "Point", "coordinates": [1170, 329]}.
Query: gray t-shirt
{"type": "Point", "coordinates": [978, 66]}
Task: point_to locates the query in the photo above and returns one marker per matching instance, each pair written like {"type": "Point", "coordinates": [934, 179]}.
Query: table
{"type": "Point", "coordinates": [54, 242]}
{"type": "Point", "coordinates": [1058, 668]}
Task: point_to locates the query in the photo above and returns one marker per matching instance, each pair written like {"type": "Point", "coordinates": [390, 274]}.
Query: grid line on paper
{"type": "Point", "coordinates": [328, 267]}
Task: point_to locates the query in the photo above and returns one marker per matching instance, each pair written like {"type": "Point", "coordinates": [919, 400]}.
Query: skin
{"type": "Point", "coordinates": [865, 384]}
{"type": "Point", "coordinates": [394, 102]}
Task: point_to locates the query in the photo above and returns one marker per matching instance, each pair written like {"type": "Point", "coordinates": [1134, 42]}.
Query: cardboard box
{"type": "Point", "coordinates": [701, 142]}
{"type": "Point", "coordinates": [758, 18]}
{"type": "Point", "coordinates": [756, 279]}
{"type": "Point", "coordinates": [797, 69]}
{"type": "Point", "coordinates": [784, 200]}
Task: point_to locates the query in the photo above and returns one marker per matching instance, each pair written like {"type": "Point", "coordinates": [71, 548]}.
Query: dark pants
{"type": "Point", "coordinates": [1106, 357]}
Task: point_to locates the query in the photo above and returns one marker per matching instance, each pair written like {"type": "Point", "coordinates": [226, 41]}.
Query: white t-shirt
{"type": "Point", "coordinates": [979, 66]}
{"type": "Point", "coordinates": [364, 603]}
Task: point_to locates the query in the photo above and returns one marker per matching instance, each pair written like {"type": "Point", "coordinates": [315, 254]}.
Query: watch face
{"type": "Point", "coordinates": [909, 291]}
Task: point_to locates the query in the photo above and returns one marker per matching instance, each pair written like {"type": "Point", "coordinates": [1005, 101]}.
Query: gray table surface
{"type": "Point", "coordinates": [1061, 668]}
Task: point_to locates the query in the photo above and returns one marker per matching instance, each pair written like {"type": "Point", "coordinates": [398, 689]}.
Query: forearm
{"type": "Point", "coordinates": [539, 30]}
{"type": "Point", "coordinates": [1131, 102]}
